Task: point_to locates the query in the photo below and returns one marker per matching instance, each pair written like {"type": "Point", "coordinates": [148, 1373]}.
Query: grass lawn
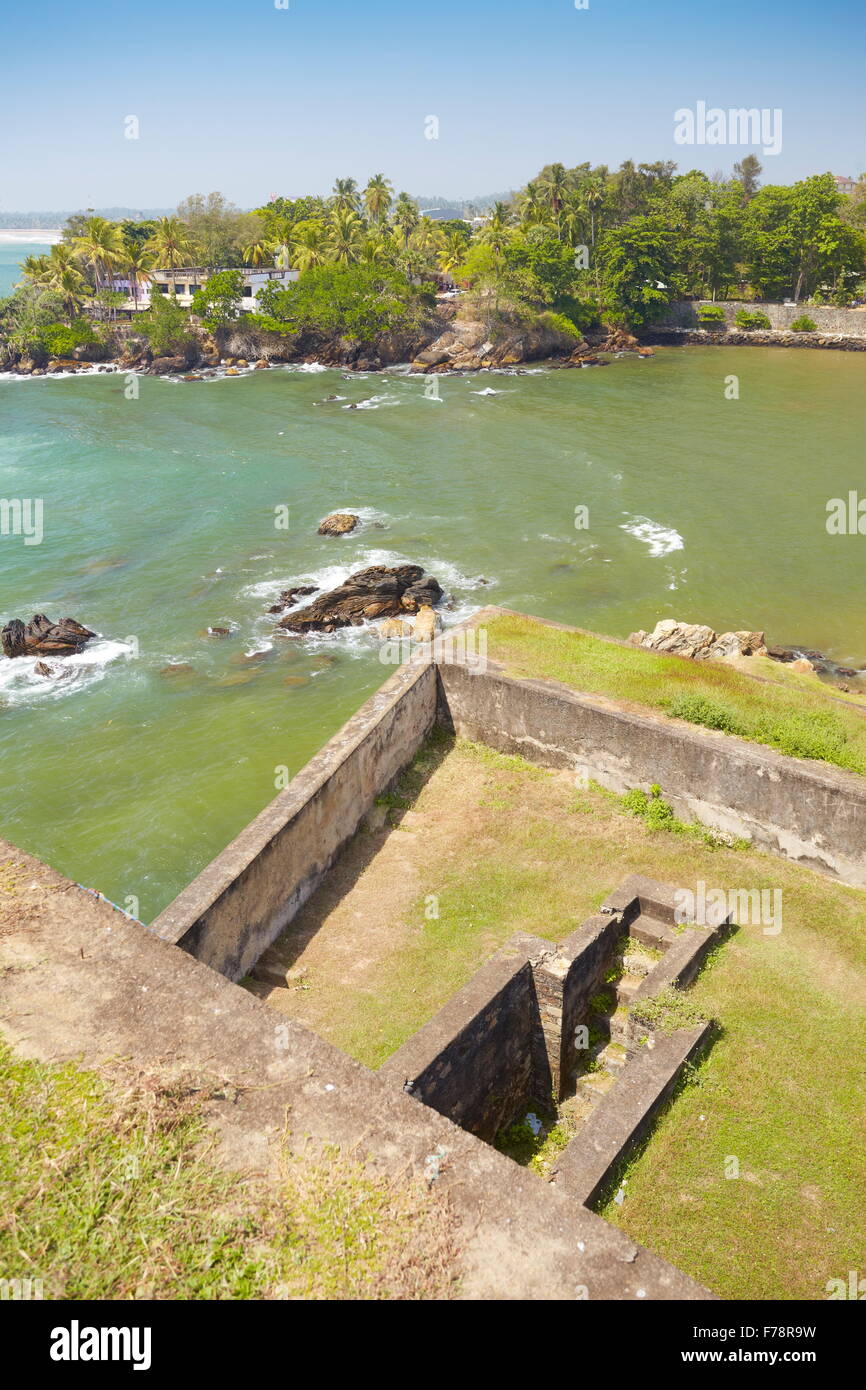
{"type": "Point", "coordinates": [111, 1191]}
{"type": "Point", "coordinates": [794, 712]}
{"type": "Point", "coordinates": [780, 1091]}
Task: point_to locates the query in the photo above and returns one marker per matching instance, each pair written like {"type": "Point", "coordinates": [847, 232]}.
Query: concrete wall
{"type": "Point", "coordinates": [851, 322]}
{"type": "Point", "coordinates": [565, 981]}
{"type": "Point", "coordinates": [806, 811]}
{"type": "Point", "coordinates": [245, 897]}
{"type": "Point", "coordinates": [481, 1061]}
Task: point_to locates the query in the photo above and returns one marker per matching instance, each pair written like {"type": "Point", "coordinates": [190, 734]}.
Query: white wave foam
{"type": "Point", "coordinates": [19, 683]}
{"type": "Point", "coordinates": [662, 540]}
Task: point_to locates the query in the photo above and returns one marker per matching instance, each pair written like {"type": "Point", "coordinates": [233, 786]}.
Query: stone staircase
{"type": "Point", "coordinates": [609, 1023]}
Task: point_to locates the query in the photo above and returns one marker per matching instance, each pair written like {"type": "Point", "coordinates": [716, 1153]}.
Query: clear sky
{"type": "Point", "coordinates": [252, 99]}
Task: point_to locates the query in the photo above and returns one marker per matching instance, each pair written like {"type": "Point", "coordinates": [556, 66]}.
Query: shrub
{"type": "Point", "coordinates": [701, 709]}
{"type": "Point", "coordinates": [558, 323]}
{"type": "Point", "coordinates": [804, 324]}
{"type": "Point", "coordinates": [748, 319]}
{"type": "Point", "coordinates": [711, 313]}
{"type": "Point", "coordinates": [355, 302]}
{"type": "Point", "coordinates": [60, 339]}
{"type": "Point", "coordinates": [166, 326]}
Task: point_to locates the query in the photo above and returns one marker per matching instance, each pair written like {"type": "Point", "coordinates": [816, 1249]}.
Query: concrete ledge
{"type": "Point", "coordinates": [625, 1115]}
{"type": "Point", "coordinates": [802, 810]}
{"type": "Point", "coordinates": [80, 981]}
{"type": "Point", "coordinates": [248, 894]}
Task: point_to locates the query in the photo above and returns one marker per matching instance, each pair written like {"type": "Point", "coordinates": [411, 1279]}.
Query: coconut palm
{"type": "Point", "coordinates": [532, 204]}
{"type": "Point", "coordinates": [308, 245]}
{"type": "Point", "coordinates": [555, 188]}
{"type": "Point", "coordinates": [453, 252]}
{"type": "Point", "coordinates": [405, 216]}
{"type": "Point", "coordinates": [137, 266]}
{"type": "Point", "coordinates": [260, 252]}
{"type": "Point", "coordinates": [345, 236]}
{"type": "Point", "coordinates": [496, 233]}
{"type": "Point", "coordinates": [377, 198]}
{"type": "Point", "coordinates": [345, 195]}
{"type": "Point", "coordinates": [100, 246]}
{"type": "Point", "coordinates": [172, 243]}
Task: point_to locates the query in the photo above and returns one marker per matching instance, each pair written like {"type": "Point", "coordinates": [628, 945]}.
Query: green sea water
{"type": "Point", "coordinates": [159, 520]}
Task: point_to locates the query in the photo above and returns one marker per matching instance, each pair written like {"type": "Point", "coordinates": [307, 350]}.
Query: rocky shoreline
{"type": "Point", "coordinates": [760, 337]}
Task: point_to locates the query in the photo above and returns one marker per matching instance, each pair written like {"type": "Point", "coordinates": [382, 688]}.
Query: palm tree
{"type": "Point", "coordinates": [345, 195]}
{"type": "Point", "coordinates": [376, 248]}
{"type": "Point", "coordinates": [532, 204]}
{"type": "Point", "coordinates": [405, 216]}
{"type": "Point", "coordinates": [34, 270]}
{"type": "Point", "coordinates": [258, 252]}
{"type": "Point", "coordinates": [556, 187]}
{"type": "Point", "coordinates": [308, 245]}
{"type": "Point", "coordinates": [496, 231]}
{"type": "Point", "coordinates": [377, 198]}
{"type": "Point", "coordinates": [594, 193]}
{"type": "Point", "coordinates": [100, 246]}
{"type": "Point", "coordinates": [453, 253]}
{"type": "Point", "coordinates": [172, 243]}
{"type": "Point", "coordinates": [345, 236]}
{"type": "Point", "coordinates": [137, 266]}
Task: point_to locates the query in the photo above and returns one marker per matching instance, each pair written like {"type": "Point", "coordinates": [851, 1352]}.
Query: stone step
{"type": "Point", "coordinates": [595, 1084]}
{"type": "Point", "coordinates": [627, 987]}
{"type": "Point", "coordinates": [613, 1057]}
{"type": "Point", "coordinates": [635, 962]}
{"type": "Point", "coordinates": [652, 931]}
{"type": "Point", "coordinates": [618, 1024]}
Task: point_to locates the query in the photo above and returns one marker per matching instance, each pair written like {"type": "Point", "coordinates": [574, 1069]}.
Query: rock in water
{"type": "Point", "coordinates": [377, 592]}
{"type": "Point", "coordinates": [41, 635]}
{"type": "Point", "coordinates": [338, 524]}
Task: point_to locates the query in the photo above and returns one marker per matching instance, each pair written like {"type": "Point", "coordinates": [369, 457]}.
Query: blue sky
{"type": "Point", "coordinates": [253, 100]}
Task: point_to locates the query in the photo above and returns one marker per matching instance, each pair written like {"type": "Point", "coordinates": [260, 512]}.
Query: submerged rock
{"type": "Point", "coordinates": [45, 637]}
{"type": "Point", "coordinates": [338, 524]}
{"type": "Point", "coordinates": [378, 592]}
{"type": "Point", "coordinates": [290, 596]}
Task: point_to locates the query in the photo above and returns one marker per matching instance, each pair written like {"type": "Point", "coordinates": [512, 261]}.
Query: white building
{"type": "Point", "coordinates": [182, 283]}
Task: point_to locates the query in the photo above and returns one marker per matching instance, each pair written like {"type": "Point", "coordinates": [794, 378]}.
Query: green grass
{"type": "Point", "coordinates": [110, 1191]}
{"type": "Point", "coordinates": [793, 712]}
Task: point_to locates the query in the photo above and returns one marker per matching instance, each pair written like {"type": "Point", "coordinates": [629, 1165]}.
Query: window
{"type": "Point", "coordinates": [248, 290]}
{"type": "Point", "coordinates": [179, 289]}
{"type": "Point", "coordinates": [163, 289]}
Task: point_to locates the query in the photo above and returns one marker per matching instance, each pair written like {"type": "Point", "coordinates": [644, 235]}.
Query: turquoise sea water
{"type": "Point", "coordinates": [159, 521]}
{"type": "Point", "coordinates": [12, 253]}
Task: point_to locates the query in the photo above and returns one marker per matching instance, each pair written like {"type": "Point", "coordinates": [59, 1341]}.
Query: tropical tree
{"type": "Point", "coordinates": [260, 252]}
{"type": "Point", "coordinates": [308, 245]}
{"type": "Point", "coordinates": [137, 266]}
{"type": "Point", "coordinates": [344, 196]}
{"type": "Point", "coordinates": [100, 246]}
{"type": "Point", "coordinates": [345, 236]}
{"type": "Point", "coordinates": [377, 198]}
{"type": "Point", "coordinates": [532, 203]}
{"type": "Point", "coordinates": [405, 216]}
{"type": "Point", "coordinates": [452, 253]}
{"type": "Point", "coordinates": [171, 244]}
{"type": "Point", "coordinates": [555, 188]}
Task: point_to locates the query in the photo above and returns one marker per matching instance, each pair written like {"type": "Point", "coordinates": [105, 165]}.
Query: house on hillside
{"type": "Point", "coordinates": [182, 282]}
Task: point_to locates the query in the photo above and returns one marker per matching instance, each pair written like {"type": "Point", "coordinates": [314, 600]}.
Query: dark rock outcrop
{"type": "Point", "coordinates": [290, 596]}
{"type": "Point", "coordinates": [42, 636]}
{"type": "Point", "coordinates": [377, 592]}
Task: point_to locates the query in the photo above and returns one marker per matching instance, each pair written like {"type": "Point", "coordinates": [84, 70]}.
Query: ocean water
{"type": "Point", "coordinates": [159, 521]}
{"type": "Point", "coordinates": [13, 252]}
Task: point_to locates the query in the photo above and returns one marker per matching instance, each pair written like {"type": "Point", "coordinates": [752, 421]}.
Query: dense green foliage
{"type": "Point", "coordinates": [586, 244]}
{"type": "Point", "coordinates": [803, 324]}
{"type": "Point", "coordinates": [166, 327]}
{"type": "Point", "coordinates": [355, 302]}
{"type": "Point", "coordinates": [751, 318]}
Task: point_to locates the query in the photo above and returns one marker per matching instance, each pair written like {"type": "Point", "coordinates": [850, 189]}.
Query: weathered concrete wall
{"type": "Point", "coordinates": [804, 810]}
{"type": "Point", "coordinates": [626, 1114]}
{"type": "Point", "coordinates": [479, 1060]}
{"type": "Point", "coordinates": [565, 981]}
{"type": "Point", "coordinates": [827, 319]}
{"type": "Point", "coordinates": [81, 982]}
{"type": "Point", "coordinates": [245, 897]}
